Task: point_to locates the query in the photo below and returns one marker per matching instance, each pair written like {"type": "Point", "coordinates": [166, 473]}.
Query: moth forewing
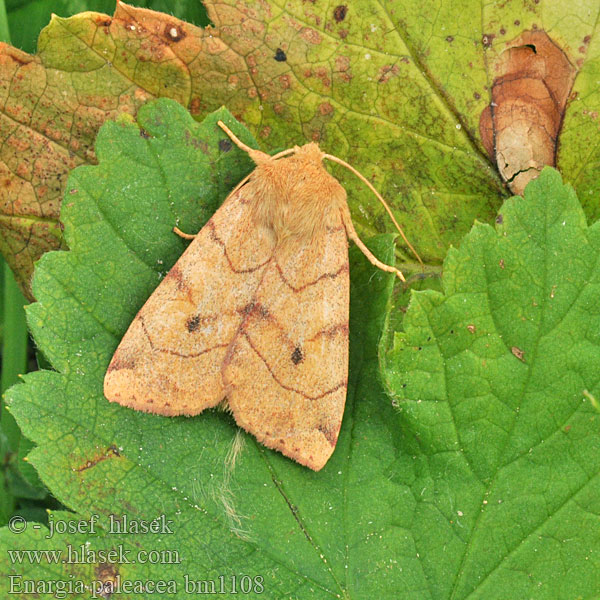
{"type": "Point", "coordinates": [169, 361]}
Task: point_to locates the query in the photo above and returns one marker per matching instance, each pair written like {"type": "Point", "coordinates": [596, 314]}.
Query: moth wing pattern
{"type": "Point", "coordinates": [287, 370]}
{"type": "Point", "coordinates": [169, 361]}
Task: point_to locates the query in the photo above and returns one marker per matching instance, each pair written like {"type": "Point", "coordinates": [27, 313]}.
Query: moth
{"type": "Point", "coordinates": [255, 312]}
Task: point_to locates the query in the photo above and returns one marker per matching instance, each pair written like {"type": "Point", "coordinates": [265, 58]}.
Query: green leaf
{"type": "Point", "coordinates": [237, 508]}
{"type": "Point", "coordinates": [500, 460]}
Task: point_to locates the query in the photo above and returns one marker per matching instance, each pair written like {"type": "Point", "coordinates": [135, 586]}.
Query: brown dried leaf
{"type": "Point", "coordinates": [519, 129]}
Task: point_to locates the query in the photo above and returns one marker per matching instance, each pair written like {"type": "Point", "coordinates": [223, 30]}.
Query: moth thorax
{"type": "Point", "coordinates": [296, 196]}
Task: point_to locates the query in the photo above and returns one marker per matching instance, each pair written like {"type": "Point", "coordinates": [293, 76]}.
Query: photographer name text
{"type": "Point", "coordinates": [116, 525]}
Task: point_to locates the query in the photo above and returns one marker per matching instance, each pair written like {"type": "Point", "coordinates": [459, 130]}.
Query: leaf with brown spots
{"type": "Point", "coordinates": [539, 100]}
{"type": "Point", "coordinates": [307, 73]}
{"type": "Point", "coordinates": [86, 70]}
{"type": "Point", "coordinates": [398, 94]}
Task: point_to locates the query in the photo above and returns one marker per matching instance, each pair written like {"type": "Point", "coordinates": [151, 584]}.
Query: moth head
{"type": "Point", "coordinates": [309, 152]}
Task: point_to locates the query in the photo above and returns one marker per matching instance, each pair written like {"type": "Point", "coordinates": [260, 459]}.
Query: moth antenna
{"type": "Point", "coordinates": [378, 196]}
{"type": "Point", "coordinates": [256, 155]}
{"type": "Point", "coordinates": [283, 153]}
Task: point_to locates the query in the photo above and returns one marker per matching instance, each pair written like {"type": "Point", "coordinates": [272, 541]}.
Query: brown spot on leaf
{"type": "Point", "coordinates": [450, 38]}
{"type": "Point", "coordinates": [487, 40]}
{"type": "Point", "coordinates": [103, 21]}
{"type": "Point", "coordinates": [110, 452]}
{"type": "Point", "coordinates": [285, 81]}
{"type": "Point", "coordinates": [520, 127]}
{"type": "Point", "coordinates": [312, 36]}
{"type": "Point", "coordinates": [387, 72]}
{"type": "Point", "coordinates": [342, 68]}
{"type": "Point", "coordinates": [340, 12]}
{"type": "Point", "coordinates": [323, 74]}
{"type": "Point", "coordinates": [501, 263]}
{"type": "Point", "coordinates": [342, 62]}
{"type": "Point", "coordinates": [225, 145]}
{"type": "Point", "coordinates": [174, 32]}
{"type": "Point", "coordinates": [472, 328]}
{"type": "Point", "coordinates": [518, 353]}
{"type": "Point", "coordinates": [325, 108]}
{"type": "Point", "coordinates": [195, 105]}
{"type": "Point", "coordinates": [106, 580]}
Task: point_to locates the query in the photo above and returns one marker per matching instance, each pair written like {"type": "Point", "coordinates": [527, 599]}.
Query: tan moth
{"type": "Point", "coordinates": [255, 312]}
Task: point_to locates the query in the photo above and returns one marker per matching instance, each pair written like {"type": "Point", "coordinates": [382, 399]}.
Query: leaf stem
{"type": "Point", "coordinates": [14, 350]}
{"type": "Point", "coordinates": [4, 29]}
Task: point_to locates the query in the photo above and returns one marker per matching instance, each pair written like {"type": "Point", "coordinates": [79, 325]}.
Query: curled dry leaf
{"type": "Point", "coordinates": [520, 127]}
